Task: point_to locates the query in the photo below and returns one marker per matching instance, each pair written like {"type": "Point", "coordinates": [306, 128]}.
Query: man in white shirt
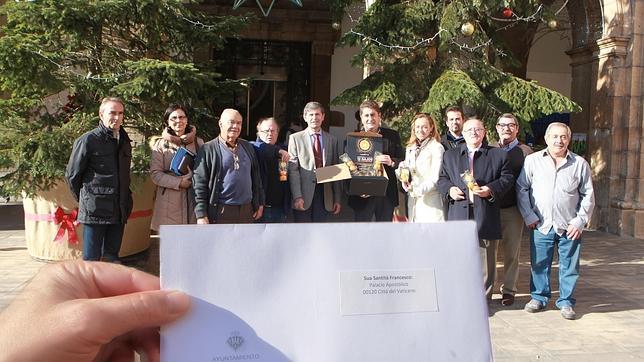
{"type": "Point", "coordinates": [556, 199]}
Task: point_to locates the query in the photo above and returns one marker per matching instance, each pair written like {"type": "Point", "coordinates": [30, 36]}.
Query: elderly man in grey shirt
{"type": "Point", "coordinates": [555, 197]}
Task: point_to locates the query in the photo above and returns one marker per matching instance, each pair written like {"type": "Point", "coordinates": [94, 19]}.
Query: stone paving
{"type": "Point", "coordinates": [610, 303]}
{"type": "Point", "coordinates": [610, 309]}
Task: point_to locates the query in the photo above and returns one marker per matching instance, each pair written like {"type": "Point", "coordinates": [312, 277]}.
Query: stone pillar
{"type": "Point", "coordinates": [634, 109]}
{"type": "Point", "coordinates": [583, 64]}
{"type": "Point", "coordinates": [609, 89]}
{"type": "Point", "coordinates": [321, 52]}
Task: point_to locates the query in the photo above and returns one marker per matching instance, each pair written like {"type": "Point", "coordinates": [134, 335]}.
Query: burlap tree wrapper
{"type": "Point", "coordinates": [50, 219]}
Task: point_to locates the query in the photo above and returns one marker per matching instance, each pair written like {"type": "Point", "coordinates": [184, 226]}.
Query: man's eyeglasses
{"type": "Point", "coordinates": [474, 130]}
{"type": "Point", "coordinates": [267, 131]}
{"type": "Point", "coordinates": [235, 161]}
{"type": "Point", "coordinates": [507, 125]}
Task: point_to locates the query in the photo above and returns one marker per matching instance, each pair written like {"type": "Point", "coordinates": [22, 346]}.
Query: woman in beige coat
{"type": "Point", "coordinates": [173, 203]}
{"type": "Point", "coordinates": [423, 159]}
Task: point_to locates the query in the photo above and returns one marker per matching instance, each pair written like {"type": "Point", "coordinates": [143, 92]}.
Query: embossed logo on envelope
{"type": "Point", "coordinates": [235, 340]}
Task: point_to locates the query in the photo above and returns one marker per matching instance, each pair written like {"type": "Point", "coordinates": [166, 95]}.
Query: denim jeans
{"type": "Point", "coordinates": [102, 240]}
{"type": "Point", "coordinates": [272, 215]}
{"type": "Point", "coordinates": [542, 248]}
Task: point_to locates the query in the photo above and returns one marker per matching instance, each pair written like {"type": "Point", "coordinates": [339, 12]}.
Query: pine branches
{"type": "Point", "coordinates": [427, 63]}
{"type": "Point", "coordinates": [139, 50]}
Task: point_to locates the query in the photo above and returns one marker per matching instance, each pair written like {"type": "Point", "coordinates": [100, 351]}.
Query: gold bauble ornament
{"type": "Point", "coordinates": [467, 28]}
{"type": "Point", "coordinates": [552, 24]}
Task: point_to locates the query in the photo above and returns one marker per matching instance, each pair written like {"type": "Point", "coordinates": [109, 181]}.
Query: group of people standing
{"type": "Point", "coordinates": [504, 186]}
{"type": "Point", "coordinates": [458, 176]}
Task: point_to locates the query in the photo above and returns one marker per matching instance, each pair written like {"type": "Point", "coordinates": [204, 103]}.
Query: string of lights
{"type": "Point", "coordinates": [421, 43]}
{"type": "Point", "coordinates": [561, 8]}
{"type": "Point", "coordinates": [514, 20]}
{"type": "Point", "coordinates": [70, 70]}
{"type": "Point", "coordinates": [197, 23]}
{"type": "Point", "coordinates": [471, 48]}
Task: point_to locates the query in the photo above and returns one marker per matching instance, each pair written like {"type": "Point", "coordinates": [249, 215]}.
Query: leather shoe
{"type": "Point", "coordinates": [507, 299]}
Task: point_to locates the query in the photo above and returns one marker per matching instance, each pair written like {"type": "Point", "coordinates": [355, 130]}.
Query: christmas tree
{"type": "Point", "coordinates": [429, 55]}
{"type": "Point", "coordinates": [58, 58]}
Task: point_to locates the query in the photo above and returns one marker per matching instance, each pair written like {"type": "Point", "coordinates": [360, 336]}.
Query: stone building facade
{"type": "Point", "coordinates": [607, 63]}
{"type": "Point", "coordinates": [607, 60]}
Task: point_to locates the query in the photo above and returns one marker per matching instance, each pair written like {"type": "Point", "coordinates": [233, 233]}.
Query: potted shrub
{"type": "Point", "coordinates": [58, 58]}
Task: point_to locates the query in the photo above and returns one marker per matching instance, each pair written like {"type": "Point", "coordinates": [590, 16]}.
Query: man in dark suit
{"type": "Point", "coordinates": [382, 207]}
{"type": "Point", "coordinates": [273, 159]}
{"type": "Point", "coordinates": [493, 178]}
{"type": "Point", "coordinates": [310, 149]}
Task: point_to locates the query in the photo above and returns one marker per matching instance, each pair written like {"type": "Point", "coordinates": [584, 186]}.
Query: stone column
{"type": "Point", "coordinates": [636, 116]}
{"type": "Point", "coordinates": [321, 52]}
{"type": "Point", "coordinates": [609, 90]}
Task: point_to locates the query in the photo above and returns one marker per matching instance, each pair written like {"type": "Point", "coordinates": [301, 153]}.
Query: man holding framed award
{"type": "Point", "coordinates": [366, 207]}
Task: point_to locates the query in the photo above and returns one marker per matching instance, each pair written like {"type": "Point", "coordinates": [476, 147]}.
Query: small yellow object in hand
{"type": "Point", "coordinates": [469, 180]}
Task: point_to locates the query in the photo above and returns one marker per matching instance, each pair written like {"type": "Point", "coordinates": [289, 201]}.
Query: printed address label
{"type": "Point", "coordinates": [387, 291]}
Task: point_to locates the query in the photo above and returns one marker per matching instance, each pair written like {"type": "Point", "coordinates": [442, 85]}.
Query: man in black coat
{"type": "Point", "coordinates": [366, 207]}
{"type": "Point", "coordinates": [270, 155]}
{"type": "Point", "coordinates": [98, 175]}
{"type": "Point", "coordinates": [493, 178]}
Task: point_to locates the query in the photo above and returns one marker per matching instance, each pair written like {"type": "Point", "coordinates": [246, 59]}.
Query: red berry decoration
{"type": "Point", "coordinates": [507, 12]}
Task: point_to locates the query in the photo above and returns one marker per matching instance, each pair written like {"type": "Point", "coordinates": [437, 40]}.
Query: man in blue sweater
{"type": "Point", "coordinates": [226, 180]}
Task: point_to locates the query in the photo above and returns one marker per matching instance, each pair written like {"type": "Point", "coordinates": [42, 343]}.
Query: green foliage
{"type": "Point", "coordinates": [337, 7]}
{"type": "Point", "coordinates": [399, 40]}
{"type": "Point", "coordinates": [58, 58]}
{"type": "Point", "coordinates": [515, 93]}
{"type": "Point", "coordinates": [452, 87]}
{"type": "Point", "coordinates": [33, 143]}
{"type": "Point", "coordinates": [396, 85]}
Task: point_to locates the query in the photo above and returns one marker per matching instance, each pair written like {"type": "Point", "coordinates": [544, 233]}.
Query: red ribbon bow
{"type": "Point", "coordinates": [67, 224]}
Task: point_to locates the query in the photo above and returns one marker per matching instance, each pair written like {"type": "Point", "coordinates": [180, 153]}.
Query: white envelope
{"type": "Point", "coordinates": [326, 292]}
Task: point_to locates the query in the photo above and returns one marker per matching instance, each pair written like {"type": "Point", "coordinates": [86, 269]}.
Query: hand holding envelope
{"type": "Point", "coordinates": [332, 292]}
